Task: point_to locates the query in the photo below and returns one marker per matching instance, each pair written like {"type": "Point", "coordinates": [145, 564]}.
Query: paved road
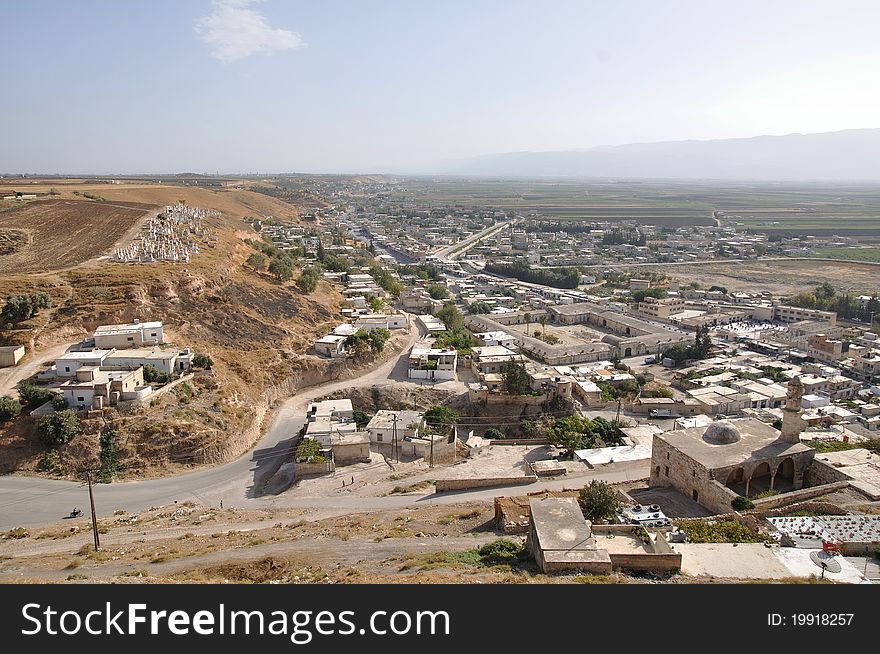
{"type": "Point", "coordinates": [31, 500]}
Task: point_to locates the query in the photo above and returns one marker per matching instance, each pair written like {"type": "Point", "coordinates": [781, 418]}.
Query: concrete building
{"type": "Point", "coordinates": [350, 447]}
{"type": "Point", "coordinates": [134, 334]}
{"type": "Point", "coordinates": [387, 425]}
{"type": "Point", "coordinates": [331, 346]}
{"type": "Point", "coordinates": [659, 308]}
{"type": "Point", "coordinates": [435, 364]}
{"type": "Point", "coordinates": [490, 359]}
{"type": "Point", "coordinates": [561, 539]}
{"type": "Point", "coordinates": [10, 355]}
{"type": "Point", "coordinates": [94, 388]}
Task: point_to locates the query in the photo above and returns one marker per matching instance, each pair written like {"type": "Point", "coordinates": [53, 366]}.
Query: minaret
{"type": "Point", "coordinates": [792, 425]}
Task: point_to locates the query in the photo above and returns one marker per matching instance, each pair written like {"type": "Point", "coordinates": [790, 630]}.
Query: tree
{"type": "Point", "coordinates": [308, 280]}
{"type": "Point", "coordinates": [543, 321]}
{"type": "Point", "coordinates": [479, 307]}
{"type": "Point", "coordinates": [572, 433]}
{"type": "Point", "coordinates": [599, 501]}
{"type": "Point", "coordinates": [441, 418]}
{"type": "Point", "coordinates": [24, 307]}
{"type": "Point", "coordinates": [9, 408]}
{"type": "Point", "coordinates": [202, 360]}
{"type": "Point", "coordinates": [281, 269]}
{"type": "Point", "coordinates": [528, 318]}
{"type": "Point", "coordinates": [59, 403]}
{"type": "Point", "coordinates": [109, 452]}
{"type": "Point", "coordinates": [59, 428]}
{"type": "Point", "coordinates": [494, 434]}
{"type": "Point", "coordinates": [34, 395]}
{"type": "Point", "coordinates": [515, 379]}
{"type": "Point", "coordinates": [256, 261]}
{"type": "Point", "coordinates": [152, 374]}
{"type": "Point", "coordinates": [361, 418]}
{"type": "Point", "coordinates": [740, 503]}
{"type": "Point", "coordinates": [438, 292]}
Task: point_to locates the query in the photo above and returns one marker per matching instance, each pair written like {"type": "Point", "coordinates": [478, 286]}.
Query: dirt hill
{"type": "Point", "coordinates": [255, 329]}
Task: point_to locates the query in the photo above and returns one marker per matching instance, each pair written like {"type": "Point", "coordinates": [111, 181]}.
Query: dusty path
{"type": "Point", "coordinates": [10, 377]}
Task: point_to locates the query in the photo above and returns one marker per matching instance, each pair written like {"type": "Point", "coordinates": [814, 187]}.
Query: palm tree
{"type": "Point", "coordinates": [528, 319]}
{"type": "Point", "coordinates": [543, 321]}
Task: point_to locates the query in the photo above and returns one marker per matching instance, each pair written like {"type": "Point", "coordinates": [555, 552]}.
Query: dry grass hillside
{"type": "Point", "coordinates": [254, 328]}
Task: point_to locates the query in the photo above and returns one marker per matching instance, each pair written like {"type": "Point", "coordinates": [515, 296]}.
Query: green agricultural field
{"type": "Point", "coordinates": [789, 208]}
{"type": "Point", "coordinates": [868, 255]}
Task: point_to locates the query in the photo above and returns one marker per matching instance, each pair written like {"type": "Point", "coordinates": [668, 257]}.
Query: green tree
{"type": "Point", "coordinates": [34, 395]}
{"type": "Point", "coordinates": [494, 434]}
{"type": "Point", "coordinates": [441, 418]}
{"type": "Point", "coordinates": [515, 379]}
{"type": "Point", "coordinates": [59, 428]}
{"type": "Point", "coordinates": [281, 269]}
{"type": "Point", "coordinates": [361, 418]}
{"type": "Point", "coordinates": [479, 307]}
{"type": "Point", "coordinates": [438, 292]}
{"type": "Point", "coordinates": [528, 318]}
{"type": "Point", "coordinates": [256, 261]}
{"type": "Point", "coordinates": [308, 280]}
{"type": "Point", "coordinates": [543, 321]}
{"type": "Point", "coordinates": [572, 433]}
{"type": "Point", "coordinates": [202, 360]}
{"type": "Point", "coordinates": [109, 454]}
{"type": "Point", "coordinates": [9, 408]}
{"type": "Point", "coordinates": [599, 501]}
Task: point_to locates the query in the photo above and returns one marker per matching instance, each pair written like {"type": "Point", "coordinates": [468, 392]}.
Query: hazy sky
{"type": "Point", "coordinates": [373, 85]}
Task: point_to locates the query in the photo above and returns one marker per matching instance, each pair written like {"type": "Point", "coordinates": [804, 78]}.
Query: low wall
{"type": "Point", "coordinates": [519, 441]}
{"type": "Point", "coordinates": [820, 473]}
{"type": "Point", "coordinates": [307, 469]}
{"type": "Point", "coordinates": [798, 496]}
{"type": "Point", "coordinates": [442, 485]}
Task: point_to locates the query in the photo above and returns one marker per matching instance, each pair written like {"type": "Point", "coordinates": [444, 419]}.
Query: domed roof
{"type": "Point", "coordinates": [722, 432]}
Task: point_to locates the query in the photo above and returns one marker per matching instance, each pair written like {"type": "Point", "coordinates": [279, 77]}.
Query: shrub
{"type": "Point", "coordinates": [740, 503]}
{"type": "Point", "coordinates": [203, 361]}
{"type": "Point", "coordinates": [308, 450]}
{"type": "Point", "coordinates": [501, 551]}
{"type": "Point", "coordinates": [152, 374]}
{"type": "Point", "coordinates": [59, 428]}
{"type": "Point", "coordinates": [59, 403]}
{"type": "Point", "coordinates": [494, 434]}
{"type": "Point", "coordinates": [34, 395]}
{"type": "Point", "coordinates": [9, 408]}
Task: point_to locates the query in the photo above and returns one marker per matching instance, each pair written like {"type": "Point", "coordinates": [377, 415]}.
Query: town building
{"type": "Point", "coordinates": [134, 334]}
{"type": "Point", "coordinates": [10, 355]}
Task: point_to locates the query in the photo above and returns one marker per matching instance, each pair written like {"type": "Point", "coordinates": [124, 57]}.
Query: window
{"type": "Point", "coordinates": [130, 338]}
{"type": "Point", "coordinates": [378, 438]}
{"type": "Point", "coordinates": [666, 471]}
{"type": "Point", "coordinates": [695, 495]}
{"type": "Point", "coordinates": [80, 399]}
{"type": "Point", "coordinates": [695, 473]}
{"type": "Point", "coordinates": [66, 368]}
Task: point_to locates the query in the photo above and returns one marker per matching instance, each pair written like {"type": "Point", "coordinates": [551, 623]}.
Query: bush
{"type": "Point", "coordinates": [59, 403]}
{"type": "Point", "coordinates": [501, 551]}
{"type": "Point", "coordinates": [494, 434]}
{"type": "Point", "coordinates": [9, 408]}
{"type": "Point", "coordinates": [59, 428]}
{"type": "Point", "coordinates": [34, 395]}
{"type": "Point", "coordinates": [153, 375]}
{"type": "Point", "coordinates": [724, 531]}
{"type": "Point", "coordinates": [308, 280]}
{"type": "Point", "coordinates": [256, 261]}
{"type": "Point", "coordinates": [599, 501]}
{"type": "Point", "coordinates": [740, 503]}
{"type": "Point", "coordinates": [361, 419]}
{"type": "Point", "coordinates": [203, 361]}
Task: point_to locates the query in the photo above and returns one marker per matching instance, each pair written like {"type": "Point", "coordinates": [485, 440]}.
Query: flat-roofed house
{"type": "Point", "coordinates": [134, 334]}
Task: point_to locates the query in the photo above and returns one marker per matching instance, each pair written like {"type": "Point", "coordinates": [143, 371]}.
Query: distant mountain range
{"type": "Point", "coordinates": [846, 155]}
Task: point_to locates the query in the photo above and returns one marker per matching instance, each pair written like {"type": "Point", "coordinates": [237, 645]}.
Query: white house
{"type": "Point", "coordinates": [134, 334]}
{"type": "Point", "coordinates": [426, 362]}
{"type": "Point", "coordinates": [383, 426]}
{"type": "Point", "coordinates": [331, 345]}
{"type": "Point", "coordinates": [94, 388]}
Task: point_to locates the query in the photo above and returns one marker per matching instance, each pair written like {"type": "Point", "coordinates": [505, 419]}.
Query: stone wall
{"type": "Point", "coordinates": [442, 485]}
{"type": "Point", "coordinates": [793, 497]}
{"type": "Point", "coordinates": [820, 473]}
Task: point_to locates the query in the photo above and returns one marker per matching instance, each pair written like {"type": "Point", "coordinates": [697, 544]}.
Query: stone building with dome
{"type": "Point", "coordinates": [715, 464]}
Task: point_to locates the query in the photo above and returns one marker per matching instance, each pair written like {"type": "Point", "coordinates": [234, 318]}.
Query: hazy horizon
{"type": "Point", "coordinates": [237, 86]}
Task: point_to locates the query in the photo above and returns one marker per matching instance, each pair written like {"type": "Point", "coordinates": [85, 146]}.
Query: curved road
{"type": "Point", "coordinates": [32, 500]}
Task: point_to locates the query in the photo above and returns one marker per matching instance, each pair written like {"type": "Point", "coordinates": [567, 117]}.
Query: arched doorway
{"type": "Point", "coordinates": [736, 480]}
{"type": "Point", "coordinates": [628, 352]}
{"type": "Point", "coordinates": [784, 478]}
{"type": "Point", "coordinates": [760, 480]}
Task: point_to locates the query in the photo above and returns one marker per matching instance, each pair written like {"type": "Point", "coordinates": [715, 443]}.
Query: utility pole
{"type": "Point", "coordinates": [394, 443]}
{"type": "Point", "coordinates": [92, 503]}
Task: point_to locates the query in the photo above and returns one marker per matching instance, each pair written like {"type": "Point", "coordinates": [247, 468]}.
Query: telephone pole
{"type": "Point", "coordinates": [88, 473]}
{"type": "Point", "coordinates": [394, 443]}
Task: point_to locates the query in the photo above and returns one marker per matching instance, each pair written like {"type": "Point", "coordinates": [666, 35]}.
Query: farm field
{"type": "Point", "coordinates": [48, 235]}
{"type": "Point", "coordinates": [779, 277]}
{"type": "Point", "coordinates": [870, 255]}
{"type": "Point", "coordinates": [814, 208]}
